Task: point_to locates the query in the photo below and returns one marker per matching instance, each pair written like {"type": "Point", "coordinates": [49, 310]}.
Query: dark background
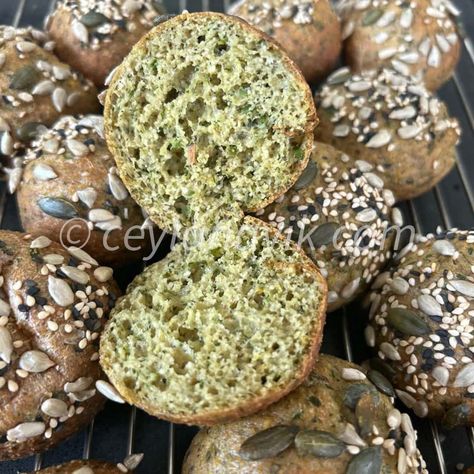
{"type": "Point", "coordinates": [119, 429]}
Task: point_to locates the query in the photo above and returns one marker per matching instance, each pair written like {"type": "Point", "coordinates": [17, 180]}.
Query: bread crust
{"type": "Point", "coordinates": [258, 403]}
{"type": "Point", "coordinates": [98, 467]}
{"type": "Point", "coordinates": [138, 49]}
{"type": "Point", "coordinates": [43, 327]}
{"type": "Point", "coordinates": [96, 64]}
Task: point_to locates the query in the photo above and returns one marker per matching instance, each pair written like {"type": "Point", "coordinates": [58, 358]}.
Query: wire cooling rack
{"type": "Point", "coordinates": [120, 430]}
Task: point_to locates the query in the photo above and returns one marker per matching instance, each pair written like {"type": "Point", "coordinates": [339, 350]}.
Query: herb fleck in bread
{"type": "Point", "coordinates": [217, 330]}
{"type": "Point", "coordinates": [207, 113]}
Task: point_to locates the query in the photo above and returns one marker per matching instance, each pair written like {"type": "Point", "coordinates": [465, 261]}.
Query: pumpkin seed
{"type": "Point", "coordinates": [30, 131]}
{"type": "Point", "coordinates": [372, 16]}
{"type": "Point", "coordinates": [6, 344]}
{"type": "Point", "coordinates": [58, 207]}
{"type": "Point", "coordinates": [381, 382]}
{"type": "Point", "coordinates": [109, 391]}
{"type": "Point", "coordinates": [35, 361]}
{"type": "Point", "coordinates": [79, 276]}
{"type": "Point", "coordinates": [132, 461]}
{"type": "Point", "coordinates": [456, 416]}
{"type": "Point", "coordinates": [407, 322]}
{"type": "Point", "coordinates": [40, 242]}
{"type": "Point", "coordinates": [88, 196]}
{"type": "Point", "coordinates": [60, 291]}
{"type": "Point", "coordinates": [82, 255]}
{"type": "Point", "coordinates": [464, 287]}
{"type": "Point", "coordinates": [119, 191]}
{"type": "Point", "coordinates": [324, 234]}
{"type": "Point", "coordinates": [307, 176]}
{"type": "Point", "coordinates": [44, 172]}
{"type": "Point", "coordinates": [319, 444]}
{"type": "Point", "coordinates": [80, 31]}
{"type": "Point", "coordinates": [382, 367]}
{"type": "Point", "coordinates": [26, 430]}
{"type": "Point", "coordinates": [268, 443]}
{"type": "Point", "coordinates": [368, 461]}
{"type": "Point", "coordinates": [103, 274]}
{"type": "Point", "coordinates": [54, 407]}
{"type": "Point", "coordinates": [92, 19]}
{"type": "Point", "coordinates": [366, 412]}
{"type": "Point", "coordinates": [82, 383]}
{"type": "Point", "coordinates": [354, 392]}
{"type": "Point", "coordinates": [24, 78]}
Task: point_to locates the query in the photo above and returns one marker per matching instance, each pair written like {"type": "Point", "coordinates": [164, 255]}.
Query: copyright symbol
{"type": "Point", "coordinates": [75, 232]}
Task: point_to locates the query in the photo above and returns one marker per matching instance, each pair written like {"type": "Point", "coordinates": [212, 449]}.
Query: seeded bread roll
{"type": "Point", "coordinates": [36, 87]}
{"type": "Point", "coordinates": [308, 30]}
{"type": "Point", "coordinates": [203, 336]}
{"type": "Point", "coordinates": [392, 122]}
{"type": "Point", "coordinates": [420, 325]}
{"type": "Point", "coordinates": [94, 36]}
{"type": "Point", "coordinates": [53, 306]}
{"type": "Point", "coordinates": [418, 39]}
{"type": "Point", "coordinates": [339, 213]}
{"type": "Point", "coordinates": [222, 120]}
{"type": "Point", "coordinates": [337, 421]}
{"type": "Point", "coordinates": [70, 192]}
{"type": "Point", "coordinates": [83, 467]}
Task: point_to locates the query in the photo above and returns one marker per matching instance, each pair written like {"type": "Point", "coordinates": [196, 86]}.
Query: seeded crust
{"type": "Point", "coordinates": [87, 173]}
{"type": "Point", "coordinates": [202, 402]}
{"type": "Point", "coordinates": [19, 262]}
{"type": "Point", "coordinates": [317, 404]}
{"type": "Point", "coordinates": [434, 68]}
{"type": "Point", "coordinates": [434, 387]}
{"type": "Point", "coordinates": [73, 467]}
{"type": "Point", "coordinates": [97, 62]}
{"type": "Point", "coordinates": [40, 109]}
{"type": "Point", "coordinates": [311, 35]}
{"type": "Point", "coordinates": [208, 193]}
{"type": "Point", "coordinates": [414, 165]}
{"type": "Point", "coordinates": [324, 207]}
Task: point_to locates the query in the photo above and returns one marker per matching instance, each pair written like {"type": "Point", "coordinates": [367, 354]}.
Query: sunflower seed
{"type": "Point", "coordinates": [58, 98]}
{"type": "Point", "coordinates": [2, 59]}
{"type": "Point", "coordinates": [6, 144]}
{"type": "Point", "coordinates": [109, 391]}
{"type": "Point", "coordinates": [103, 274]}
{"type": "Point", "coordinates": [307, 176]}
{"type": "Point", "coordinates": [389, 351]}
{"type": "Point", "coordinates": [381, 37]}
{"type": "Point", "coordinates": [388, 197]}
{"type": "Point", "coordinates": [88, 196]}
{"type": "Point", "coordinates": [268, 443]}
{"type": "Point", "coordinates": [80, 31]}
{"type": "Point", "coordinates": [409, 131]}
{"type": "Point", "coordinates": [364, 166]}
{"type": "Point", "coordinates": [6, 343]}
{"type": "Point", "coordinates": [369, 335]}
{"type": "Point", "coordinates": [61, 72]}
{"type": "Point", "coordinates": [464, 287]}
{"type": "Point", "coordinates": [44, 172]}
{"type": "Point", "coordinates": [131, 6]}
{"type": "Point", "coordinates": [399, 286]}
{"type": "Point", "coordinates": [410, 57]}
{"type": "Point", "coordinates": [404, 113]}
{"type": "Point", "coordinates": [381, 382]}
{"type": "Point", "coordinates": [100, 215]}
{"type": "Point", "coordinates": [339, 76]}
{"type": "Point", "coordinates": [73, 99]}
{"type": "Point", "coordinates": [406, 398]}
{"type": "Point", "coordinates": [132, 461]}
{"type": "Point", "coordinates": [429, 305]}
{"type": "Point", "coordinates": [24, 78]}
{"type": "Point", "coordinates": [400, 67]}
{"type": "Point", "coordinates": [92, 19]}
{"type": "Point", "coordinates": [119, 191]}
{"type": "Point", "coordinates": [341, 130]}
{"type": "Point", "coordinates": [387, 53]}
{"type": "Point", "coordinates": [397, 217]}
{"type": "Point", "coordinates": [452, 38]}
{"type": "Point", "coordinates": [465, 376]}
{"type": "Point", "coordinates": [81, 255]}
{"type": "Point", "coordinates": [386, 19]}
{"type": "Point", "coordinates": [79, 276]}
{"type": "Point", "coordinates": [26, 430]}
{"type": "Point", "coordinates": [350, 289]}
{"type": "Point", "coordinates": [53, 259]}
{"type": "Point", "coordinates": [94, 121]}
{"type": "Point", "coordinates": [457, 415]}
{"type": "Point", "coordinates": [347, 30]}
{"type": "Point", "coordinates": [351, 374]}
{"type": "Point", "coordinates": [51, 146]}
{"type": "Point", "coordinates": [82, 396]}
{"type": "Point", "coordinates": [79, 385]}
{"type": "Point", "coordinates": [60, 291]}
{"type": "Point", "coordinates": [83, 470]}
{"type": "Point", "coordinates": [14, 177]}
{"type": "Point", "coordinates": [374, 180]}
{"type": "Point", "coordinates": [35, 361]}
{"type": "Point", "coordinates": [58, 207]}
{"type": "Point", "coordinates": [4, 127]}
{"type": "Point", "coordinates": [40, 242]}
{"type": "Point", "coordinates": [380, 139]}
{"type": "Point", "coordinates": [406, 18]}
{"type": "Point", "coordinates": [359, 86]}
{"type": "Point", "coordinates": [4, 306]}
{"type": "Point", "coordinates": [367, 215]}
{"type": "Point", "coordinates": [441, 375]}
{"type": "Point", "coordinates": [350, 436]}
{"type": "Point", "coordinates": [318, 443]}
{"type": "Point", "coordinates": [76, 147]}
{"type": "Point", "coordinates": [394, 418]}
{"type": "Point", "coordinates": [424, 47]}
{"type": "Point", "coordinates": [113, 224]}
{"type": "Point", "coordinates": [54, 408]}
{"type": "Point", "coordinates": [434, 58]}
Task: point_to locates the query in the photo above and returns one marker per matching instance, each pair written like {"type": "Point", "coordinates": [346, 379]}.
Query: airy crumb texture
{"type": "Point", "coordinates": [206, 112]}
{"type": "Point", "coordinates": [218, 330]}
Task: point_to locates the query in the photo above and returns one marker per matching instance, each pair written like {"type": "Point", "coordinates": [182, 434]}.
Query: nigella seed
{"type": "Point", "coordinates": [58, 207]}
{"type": "Point", "coordinates": [407, 322]}
{"type": "Point", "coordinates": [307, 176]}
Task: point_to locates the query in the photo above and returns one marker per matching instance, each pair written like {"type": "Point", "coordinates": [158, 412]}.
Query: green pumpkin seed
{"type": "Point", "coordinates": [24, 78]}
{"type": "Point", "coordinates": [323, 234]}
{"type": "Point", "coordinates": [268, 443]}
{"type": "Point", "coordinates": [372, 16]}
{"type": "Point", "coordinates": [381, 382]}
{"type": "Point", "coordinates": [457, 416]}
{"type": "Point", "coordinates": [307, 176]}
{"type": "Point", "coordinates": [407, 322]}
{"type": "Point", "coordinates": [354, 392]}
{"type": "Point", "coordinates": [320, 444]}
{"type": "Point", "coordinates": [93, 19]}
{"type": "Point", "coordinates": [366, 413]}
{"type": "Point", "coordinates": [368, 461]}
{"type": "Point", "coordinates": [58, 207]}
{"type": "Point", "coordinates": [30, 131]}
{"type": "Point", "coordinates": [380, 366]}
